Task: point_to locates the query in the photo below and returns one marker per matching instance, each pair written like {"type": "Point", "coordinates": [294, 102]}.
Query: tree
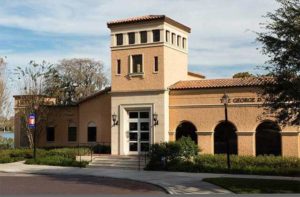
{"type": "Point", "coordinates": [242, 75]}
{"type": "Point", "coordinates": [32, 84]}
{"type": "Point", "coordinates": [281, 43]}
{"type": "Point", "coordinates": [75, 78]}
{"type": "Point", "coordinates": [3, 89]}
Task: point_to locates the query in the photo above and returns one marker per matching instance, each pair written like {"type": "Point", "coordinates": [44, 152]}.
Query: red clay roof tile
{"type": "Point", "coordinates": [221, 83]}
{"type": "Point", "coordinates": [148, 18]}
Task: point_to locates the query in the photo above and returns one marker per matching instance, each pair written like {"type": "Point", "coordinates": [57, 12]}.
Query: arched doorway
{"type": "Point", "coordinates": [220, 138]}
{"type": "Point", "coordinates": [187, 129]}
{"type": "Point", "coordinates": [268, 139]}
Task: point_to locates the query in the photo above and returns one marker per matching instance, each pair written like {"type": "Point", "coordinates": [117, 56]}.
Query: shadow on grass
{"type": "Point", "coordinates": [256, 186]}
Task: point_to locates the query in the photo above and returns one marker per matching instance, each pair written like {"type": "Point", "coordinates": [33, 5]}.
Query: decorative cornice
{"type": "Point", "coordinates": [289, 133]}
{"type": "Point", "coordinates": [215, 105]}
{"type": "Point", "coordinates": [205, 132]}
{"type": "Point", "coordinates": [137, 91]}
{"type": "Point", "coordinates": [245, 132]}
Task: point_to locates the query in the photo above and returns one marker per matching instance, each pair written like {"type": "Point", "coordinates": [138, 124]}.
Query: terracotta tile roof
{"type": "Point", "coordinates": [196, 74]}
{"type": "Point", "coordinates": [148, 18]}
{"type": "Point", "coordinates": [137, 19]}
{"type": "Point", "coordinates": [104, 91]}
{"type": "Point", "coordinates": [220, 83]}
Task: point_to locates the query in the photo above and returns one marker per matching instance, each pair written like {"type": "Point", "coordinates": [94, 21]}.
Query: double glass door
{"type": "Point", "coordinates": [139, 131]}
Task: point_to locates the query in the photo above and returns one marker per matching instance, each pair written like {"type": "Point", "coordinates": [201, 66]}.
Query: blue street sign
{"type": "Point", "coordinates": [31, 121]}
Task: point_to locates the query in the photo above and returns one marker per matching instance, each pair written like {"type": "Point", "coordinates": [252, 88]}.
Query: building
{"type": "Point", "coordinates": [154, 98]}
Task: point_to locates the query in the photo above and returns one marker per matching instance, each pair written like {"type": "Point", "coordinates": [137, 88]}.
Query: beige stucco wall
{"type": "Point", "coordinates": [154, 101]}
{"type": "Point", "coordinates": [175, 68]}
{"type": "Point", "coordinates": [97, 110]}
{"type": "Point", "coordinates": [149, 81]}
{"type": "Point", "coordinates": [60, 118]}
{"type": "Point", "coordinates": [204, 109]}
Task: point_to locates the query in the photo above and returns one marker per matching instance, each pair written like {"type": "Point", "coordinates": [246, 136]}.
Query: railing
{"type": "Point", "coordinates": [143, 155]}
{"type": "Point", "coordinates": [93, 148]}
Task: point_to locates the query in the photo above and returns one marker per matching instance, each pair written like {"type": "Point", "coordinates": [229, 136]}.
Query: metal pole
{"type": "Point", "coordinates": [34, 136]}
{"type": "Point", "coordinates": [227, 137]}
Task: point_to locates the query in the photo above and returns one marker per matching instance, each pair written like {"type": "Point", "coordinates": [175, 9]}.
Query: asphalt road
{"type": "Point", "coordinates": [26, 184]}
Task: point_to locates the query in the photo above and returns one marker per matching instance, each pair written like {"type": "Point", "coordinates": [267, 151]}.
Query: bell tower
{"type": "Point", "coordinates": [148, 53]}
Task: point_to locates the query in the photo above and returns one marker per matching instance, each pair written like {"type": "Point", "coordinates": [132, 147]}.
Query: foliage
{"type": "Point", "coordinates": [75, 78]}
{"type": "Point", "coordinates": [4, 94]}
{"type": "Point", "coordinates": [57, 160]}
{"type": "Point", "coordinates": [281, 43]}
{"type": "Point", "coordinates": [242, 75]}
{"type": "Point", "coordinates": [255, 186]}
{"type": "Point", "coordinates": [32, 82]}
{"type": "Point", "coordinates": [6, 143]}
{"type": "Point", "coordinates": [102, 149]}
{"type": "Point", "coordinates": [13, 155]}
{"type": "Point", "coordinates": [162, 154]}
{"type": "Point", "coordinates": [58, 157]}
{"type": "Point", "coordinates": [264, 165]}
{"type": "Point", "coordinates": [68, 152]}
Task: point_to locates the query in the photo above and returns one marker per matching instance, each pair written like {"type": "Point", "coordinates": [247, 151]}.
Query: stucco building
{"type": "Point", "coordinates": [154, 98]}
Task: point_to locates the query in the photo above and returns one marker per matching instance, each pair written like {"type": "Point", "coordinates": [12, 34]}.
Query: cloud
{"type": "Point", "coordinates": [222, 30]}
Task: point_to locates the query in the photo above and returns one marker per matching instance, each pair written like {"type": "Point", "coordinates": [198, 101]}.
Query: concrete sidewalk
{"type": "Point", "coordinates": [173, 182]}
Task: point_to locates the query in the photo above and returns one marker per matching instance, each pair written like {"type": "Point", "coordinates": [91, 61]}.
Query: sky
{"type": "Point", "coordinates": [221, 43]}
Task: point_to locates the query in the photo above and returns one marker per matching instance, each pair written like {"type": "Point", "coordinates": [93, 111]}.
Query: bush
{"type": "Point", "coordinates": [261, 165]}
{"type": "Point", "coordinates": [13, 155]}
{"type": "Point", "coordinates": [6, 143]}
{"type": "Point", "coordinates": [164, 155]}
{"type": "Point", "coordinates": [58, 157]}
{"type": "Point", "coordinates": [67, 152]}
{"type": "Point", "coordinates": [102, 149]}
{"type": "Point", "coordinates": [57, 160]}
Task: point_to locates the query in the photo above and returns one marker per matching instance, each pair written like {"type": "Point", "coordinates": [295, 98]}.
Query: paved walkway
{"type": "Point", "coordinates": [173, 182]}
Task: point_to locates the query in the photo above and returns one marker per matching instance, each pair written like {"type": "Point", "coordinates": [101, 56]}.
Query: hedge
{"type": "Point", "coordinates": [260, 165]}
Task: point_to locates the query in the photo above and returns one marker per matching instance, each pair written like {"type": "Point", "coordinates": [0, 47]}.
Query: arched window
{"type": "Point", "coordinates": [92, 132]}
{"type": "Point", "coordinates": [187, 129]}
{"type": "Point", "coordinates": [223, 132]}
{"type": "Point", "coordinates": [268, 139]}
{"type": "Point", "coordinates": [72, 132]}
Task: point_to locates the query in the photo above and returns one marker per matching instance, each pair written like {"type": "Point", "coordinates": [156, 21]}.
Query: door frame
{"type": "Point", "coordinates": [124, 126]}
{"type": "Point", "coordinates": [139, 120]}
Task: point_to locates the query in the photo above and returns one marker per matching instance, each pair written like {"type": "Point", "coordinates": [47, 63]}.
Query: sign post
{"type": "Point", "coordinates": [32, 125]}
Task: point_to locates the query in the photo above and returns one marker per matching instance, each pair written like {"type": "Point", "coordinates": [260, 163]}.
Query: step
{"type": "Point", "coordinates": [118, 162]}
{"type": "Point", "coordinates": [114, 164]}
{"type": "Point", "coordinates": [112, 161]}
{"type": "Point", "coordinates": [119, 157]}
{"type": "Point", "coordinates": [116, 167]}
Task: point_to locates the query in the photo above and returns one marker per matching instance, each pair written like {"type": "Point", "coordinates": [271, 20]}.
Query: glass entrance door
{"type": "Point", "coordinates": [139, 131]}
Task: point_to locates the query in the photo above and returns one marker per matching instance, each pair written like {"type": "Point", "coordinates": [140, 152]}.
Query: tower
{"type": "Point", "coordinates": [148, 54]}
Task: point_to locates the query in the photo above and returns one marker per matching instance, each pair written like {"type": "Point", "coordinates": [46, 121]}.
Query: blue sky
{"type": "Point", "coordinates": [222, 41]}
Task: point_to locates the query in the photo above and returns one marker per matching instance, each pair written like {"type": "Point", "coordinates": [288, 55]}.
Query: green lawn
{"type": "Point", "coordinates": [256, 186]}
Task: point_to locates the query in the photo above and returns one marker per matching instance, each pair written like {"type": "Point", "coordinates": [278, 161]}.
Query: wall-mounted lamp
{"type": "Point", "coordinates": [114, 119]}
{"type": "Point", "coordinates": [225, 99]}
{"type": "Point", "coordinates": [155, 120]}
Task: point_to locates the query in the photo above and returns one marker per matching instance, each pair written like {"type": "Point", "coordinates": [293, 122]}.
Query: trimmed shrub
{"type": "Point", "coordinates": [57, 161]}
{"type": "Point", "coordinates": [67, 152]}
{"type": "Point", "coordinates": [58, 157]}
{"type": "Point", "coordinates": [6, 143]}
{"type": "Point", "coordinates": [261, 165]}
{"type": "Point", "coordinates": [102, 149]}
{"type": "Point", "coordinates": [165, 155]}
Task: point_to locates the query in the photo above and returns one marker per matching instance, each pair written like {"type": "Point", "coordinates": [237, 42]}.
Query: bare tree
{"type": "Point", "coordinates": [3, 89]}
{"type": "Point", "coordinates": [75, 78]}
{"type": "Point", "coordinates": [32, 80]}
